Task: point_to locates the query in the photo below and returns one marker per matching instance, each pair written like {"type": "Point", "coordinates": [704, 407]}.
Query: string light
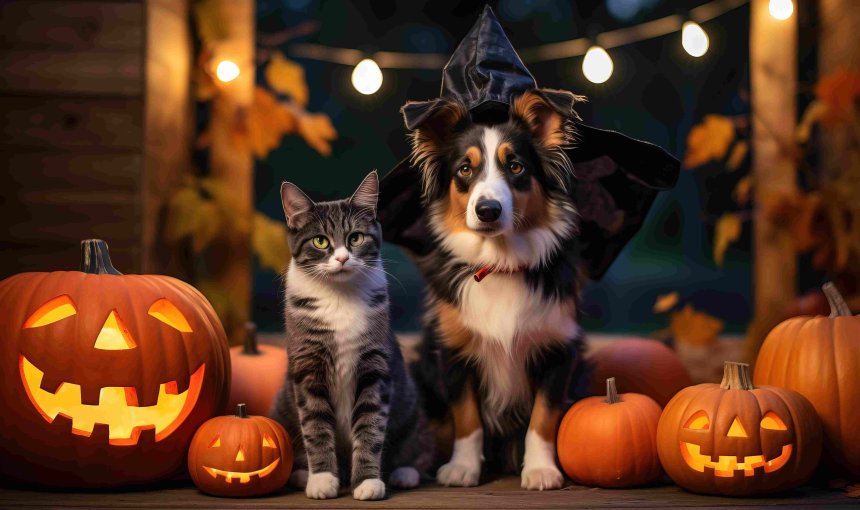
{"type": "Point", "coordinates": [694, 39]}
{"type": "Point", "coordinates": [367, 77]}
{"type": "Point", "coordinates": [597, 65]}
{"type": "Point", "coordinates": [781, 9]}
{"type": "Point", "coordinates": [227, 71]}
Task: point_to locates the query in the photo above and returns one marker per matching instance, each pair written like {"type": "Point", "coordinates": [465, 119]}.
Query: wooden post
{"type": "Point", "coordinates": [773, 77]}
{"type": "Point", "coordinates": [230, 261]}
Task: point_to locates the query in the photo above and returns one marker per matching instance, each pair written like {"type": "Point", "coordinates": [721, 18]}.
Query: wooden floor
{"type": "Point", "coordinates": [499, 494]}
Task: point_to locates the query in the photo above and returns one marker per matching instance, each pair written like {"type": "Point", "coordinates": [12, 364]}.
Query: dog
{"type": "Point", "coordinates": [502, 346]}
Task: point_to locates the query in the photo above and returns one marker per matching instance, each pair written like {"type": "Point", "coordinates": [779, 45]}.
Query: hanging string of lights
{"type": "Point", "coordinates": [597, 65]}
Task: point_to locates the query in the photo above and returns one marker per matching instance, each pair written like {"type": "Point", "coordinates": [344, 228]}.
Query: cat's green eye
{"type": "Point", "coordinates": [320, 242]}
{"type": "Point", "coordinates": [356, 238]}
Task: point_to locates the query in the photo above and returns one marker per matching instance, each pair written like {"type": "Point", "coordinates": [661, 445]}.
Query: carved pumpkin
{"type": "Point", "coordinates": [640, 366]}
{"type": "Point", "coordinates": [259, 372]}
{"type": "Point", "coordinates": [819, 357]}
{"type": "Point", "coordinates": [737, 440]}
{"type": "Point", "coordinates": [240, 455]}
{"type": "Point", "coordinates": [105, 377]}
{"type": "Point", "coordinates": [610, 441]}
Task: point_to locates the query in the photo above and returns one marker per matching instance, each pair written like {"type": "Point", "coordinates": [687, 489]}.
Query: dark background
{"type": "Point", "coordinates": [657, 92]}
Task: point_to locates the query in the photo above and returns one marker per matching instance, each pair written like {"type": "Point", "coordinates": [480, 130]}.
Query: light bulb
{"type": "Point", "coordinates": [694, 39]}
{"type": "Point", "coordinates": [597, 65]}
{"type": "Point", "coordinates": [781, 9]}
{"type": "Point", "coordinates": [227, 71]}
{"type": "Point", "coordinates": [367, 77]}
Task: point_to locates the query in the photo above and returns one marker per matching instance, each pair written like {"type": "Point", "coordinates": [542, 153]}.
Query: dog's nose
{"type": "Point", "coordinates": [488, 210]}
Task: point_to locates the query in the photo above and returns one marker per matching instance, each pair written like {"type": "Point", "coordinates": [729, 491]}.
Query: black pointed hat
{"type": "Point", "coordinates": [617, 177]}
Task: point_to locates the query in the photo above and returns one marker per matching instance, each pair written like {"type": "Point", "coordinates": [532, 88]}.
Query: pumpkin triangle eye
{"type": "Point", "coordinates": [216, 443]}
{"type": "Point", "coordinates": [240, 456]}
{"type": "Point", "coordinates": [737, 430]}
{"type": "Point", "coordinates": [699, 421]}
{"type": "Point", "coordinates": [114, 336]}
{"type": "Point", "coordinates": [166, 312]}
{"type": "Point", "coordinates": [772, 422]}
{"type": "Point", "coordinates": [54, 310]}
{"type": "Point", "coordinates": [267, 442]}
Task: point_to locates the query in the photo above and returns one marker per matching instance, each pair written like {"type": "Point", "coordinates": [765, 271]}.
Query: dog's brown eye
{"type": "Point", "coordinates": [515, 168]}
{"type": "Point", "coordinates": [465, 171]}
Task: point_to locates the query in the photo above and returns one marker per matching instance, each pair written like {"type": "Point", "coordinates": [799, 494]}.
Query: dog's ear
{"type": "Point", "coordinates": [296, 204]}
{"type": "Point", "coordinates": [430, 123]}
{"type": "Point", "coordinates": [549, 114]}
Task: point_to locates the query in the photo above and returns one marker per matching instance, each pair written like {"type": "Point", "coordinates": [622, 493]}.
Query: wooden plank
{"type": "Point", "coordinates": [28, 172]}
{"type": "Point", "coordinates": [109, 125]}
{"type": "Point", "coordinates": [169, 124]}
{"type": "Point", "coordinates": [81, 72]}
{"type": "Point", "coordinates": [500, 494]}
{"type": "Point", "coordinates": [773, 81]}
{"type": "Point", "coordinates": [38, 24]}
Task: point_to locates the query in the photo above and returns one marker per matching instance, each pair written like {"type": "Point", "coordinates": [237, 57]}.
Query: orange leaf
{"type": "Point", "coordinates": [665, 302]}
{"type": "Point", "coordinates": [727, 231]}
{"type": "Point", "coordinates": [743, 189]}
{"type": "Point", "coordinates": [839, 92]}
{"type": "Point", "coordinates": [318, 132]}
{"type": "Point", "coordinates": [692, 327]}
{"type": "Point", "coordinates": [736, 158]}
{"type": "Point", "coordinates": [287, 77]}
{"type": "Point", "coordinates": [709, 140]}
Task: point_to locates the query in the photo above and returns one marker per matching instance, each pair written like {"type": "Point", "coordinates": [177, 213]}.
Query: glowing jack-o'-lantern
{"type": "Point", "coordinates": [105, 377]}
{"type": "Point", "coordinates": [734, 439]}
{"type": "Point", "coordinates": [240, 455]}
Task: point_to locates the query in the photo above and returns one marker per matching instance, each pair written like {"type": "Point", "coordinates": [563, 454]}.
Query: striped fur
{"type": "Point", "coordinates": [348, 402]}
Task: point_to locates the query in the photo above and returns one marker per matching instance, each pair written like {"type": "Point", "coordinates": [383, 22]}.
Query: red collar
{"type": "Point", "coordinates": [482, 273]}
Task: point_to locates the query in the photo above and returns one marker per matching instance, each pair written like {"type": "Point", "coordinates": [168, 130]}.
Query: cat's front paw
{"type": "Point", "coordinates": [322, 485]}
{"type": "Point", "coordinates": [299, 479]}
{"type": "Point", "coordinates": [542, 478]}
{"type": "Point", "coordinates": [405, 477]}
{"type": "Point", "coordinates": [458, 475]}
{"type": "Point", "coordinates": [370, 489]}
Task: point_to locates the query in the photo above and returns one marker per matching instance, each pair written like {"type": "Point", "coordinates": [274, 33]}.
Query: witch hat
{"type": "Point", "coordinates": [617, 177]}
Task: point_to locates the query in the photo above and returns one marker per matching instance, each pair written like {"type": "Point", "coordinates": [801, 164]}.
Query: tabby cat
{"type": "Point", "coordinates": [348, 402]}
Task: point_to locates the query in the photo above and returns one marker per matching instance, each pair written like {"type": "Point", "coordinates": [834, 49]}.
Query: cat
{"type": "Point", "coordinates": [348, 401]}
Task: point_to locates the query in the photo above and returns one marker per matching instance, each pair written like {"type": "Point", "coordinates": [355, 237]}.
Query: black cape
{"type": "Point", "coordinates": [617, 177]}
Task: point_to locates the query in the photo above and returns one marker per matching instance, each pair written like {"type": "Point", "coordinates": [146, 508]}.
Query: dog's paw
{"type": "Point", "coordinates": [458, 475]}
{"type": "Point", "coordinates": [370, 489]}
{"type": "Point", "coordinates": [299, 479]}
{"type": "Point", "coordinates": [542, 478]}
{"type": "Point", "coordinates": [322, 485]}
{"type": "Point", "coordinates": [405, 477]}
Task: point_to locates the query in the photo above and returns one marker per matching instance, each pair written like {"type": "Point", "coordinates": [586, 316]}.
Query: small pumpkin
{"type": "Point", "coordinates": [259, 372]}
{"type": "Point", "coordinates": [240, 456]}
{"type": "Point", "coordinates": [105, 376]}
{"type": "Point", "coordinates": [640, 366]}
{"type": "Point", "coordinates": [610, 441]}
{"type": "Point", "coordinates": [819, 357]}
{"type": "Point", "coordinates": [734, 439]}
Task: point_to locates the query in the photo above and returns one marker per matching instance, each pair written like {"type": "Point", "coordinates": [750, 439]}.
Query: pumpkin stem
{"type": "Point", "coordinates": [838, 306]}
{"type": "Point", "coordinates": [611, 393]}
{"type": "Point", "coordinates": [95, 258]}
{"type": "Point", "coordinates": [736, 376]}
{"type": "Point", "coordinates": [250, 345]}
{"type": "Point", "coordinates": [241, 412]}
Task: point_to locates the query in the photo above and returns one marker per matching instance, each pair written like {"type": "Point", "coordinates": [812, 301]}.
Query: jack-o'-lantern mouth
{"type": "Point", "coordinates": [727, 465]}
{"type": "Point", "coordinates": [117, 409]}
{"type": "Point", "coordinates": [243, 477]}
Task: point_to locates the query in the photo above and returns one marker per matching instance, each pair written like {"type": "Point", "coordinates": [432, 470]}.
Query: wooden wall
{"type": "Point", "coordinates": [95, 128]}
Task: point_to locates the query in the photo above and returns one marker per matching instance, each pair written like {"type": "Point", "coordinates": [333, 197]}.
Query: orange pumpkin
{"type": "Point", "coordinates": [239, 456]}
{"type": "Point", "coordinates": [105, 377]}
{"type": "Point", "coordinates": [610, 441]}
{"type": "Point", "coordinates": [640, 366]}
{"type": "Point", "coordinates": [259, 372]}
{"type": "Point", "coordinates": [819, 357]}
{"type": "Point", "coordinates": [737, 440]}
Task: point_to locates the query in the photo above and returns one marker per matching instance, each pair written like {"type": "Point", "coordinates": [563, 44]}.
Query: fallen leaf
{"type": "Point", "coordinates": [318, 132]}
{"type": "Point", "coordinates": [270, 243]}
{"type": "Point", "coordinates": [727, 231]}
{"type": "Point", "coordinates": [665, 302]}
{"type": "Point", "coordinates": [692, 327]}
{"type": "Point", "coordinates": [709, 140]}
{"type": "Point", "coordinates": [839, 92]}
{"type": "Point", "coordinates": [737, 156]}
{"type": "Point", "coordinates": [287, 77]}
{"type": "Point", "coordinates": [743, 189]}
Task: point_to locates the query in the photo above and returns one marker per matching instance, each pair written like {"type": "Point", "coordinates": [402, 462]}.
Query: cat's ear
{"type": "Point", "coordinates": [367, 194]}
{"type": "Point", "coordinates": [296, 204]}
